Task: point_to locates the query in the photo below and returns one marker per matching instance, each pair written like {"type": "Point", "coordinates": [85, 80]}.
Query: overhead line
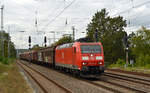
{"type": "Point", "coordinates": [59, 14]}
{"type": "Point", "coordinates": [53, 11]}
{"type": "Point", "coordinates": [131, 8]}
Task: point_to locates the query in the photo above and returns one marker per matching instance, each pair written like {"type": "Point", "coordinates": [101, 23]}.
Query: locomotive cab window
{"type": "Point", "coordinates": [90, 48]}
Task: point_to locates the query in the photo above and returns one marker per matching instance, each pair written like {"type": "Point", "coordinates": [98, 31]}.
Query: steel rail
{"type": "Point", "coordinates": [122, 86]}
{"type": "Point", "coordinates": [63, 88]}
{"type": "Point", "coordinates": [128, 72]}
{"type": "Point", "coordinates": [103, 86]}
{"type": "Point", "coordinates": [38, 83]}
{"type": "Point", "coordinates": [86, 81]}
{"type": "Point", "coordinates": [126, 78]}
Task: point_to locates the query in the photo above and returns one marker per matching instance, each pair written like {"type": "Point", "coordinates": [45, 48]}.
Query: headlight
{"type": "Point", "coordinates": [84, 63]}
{"type": "Point", "coordinates": [99, 58]}
{"type": "Point", "coordinates": [85, 58]}
{"type": "Point", "coordinates": [100, 63]}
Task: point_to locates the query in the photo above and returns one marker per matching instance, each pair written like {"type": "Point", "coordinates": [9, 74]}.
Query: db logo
{"type": "Point", "coordinates": [92, 58]}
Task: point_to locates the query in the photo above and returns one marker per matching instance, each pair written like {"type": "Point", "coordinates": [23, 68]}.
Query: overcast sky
{"type": "Point", "coordinates": [51, 15]}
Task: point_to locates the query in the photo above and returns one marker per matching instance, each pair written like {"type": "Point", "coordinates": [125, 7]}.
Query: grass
{"type": "Point", "coordinates": [141, 69]}
{"type": "Point", "coordinates": [11, 80]}
{"type": "Point", "coordinates": [6, 60]}
{"type": "Point", "coordinates": [120, 64]}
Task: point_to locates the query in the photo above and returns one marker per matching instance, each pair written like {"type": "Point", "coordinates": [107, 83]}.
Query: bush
{"type": "Point", "coordinates": [140, 61]}
{"type": "Point", "coordinates": [6, 60]}
{"type": "Point", "coordinates": [147, 66]}
{"type": "Point", "coordinates": [147, 59]}
{"type": "Point", "coordinates": [143, 61]}
{"type": "Point", "coordinates": [120, 62]}
{"type": "Point", "coordinates": [1, 59]}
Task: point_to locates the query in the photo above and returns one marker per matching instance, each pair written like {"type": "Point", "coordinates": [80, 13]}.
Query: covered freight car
{"type": "Point", "coordinates": [47, 56]}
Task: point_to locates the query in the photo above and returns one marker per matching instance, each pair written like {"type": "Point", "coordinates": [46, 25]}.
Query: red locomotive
{"type": "Point", "coordinates": [78, 58]}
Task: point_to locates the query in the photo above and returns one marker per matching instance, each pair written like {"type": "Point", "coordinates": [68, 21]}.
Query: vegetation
{"type": "Point", "coordinates": [36, 47]}
{"type": "Point", "coordinates": [4, 41]}
{"type": "Point", "coordinates": [11, 81]}
{"type": "Point", "coordinates": [6, 60]}
{"type": "Point", "coordinates": [140, 47]}
{"type": "Point", "coordinates": [63, 40]}
{"type": "Point", "coordinates": [110, 33]}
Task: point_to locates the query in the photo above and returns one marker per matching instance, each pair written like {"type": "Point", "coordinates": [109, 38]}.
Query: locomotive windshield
{"type": "Point", "coordinates": [90, 49]}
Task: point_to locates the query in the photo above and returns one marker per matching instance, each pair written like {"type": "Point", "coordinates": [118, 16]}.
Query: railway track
{"type": "Point", "coordinates": [61, 72]}
{"type": "Point", "coordinates": [114, 87]}
{"type": "Point", "coordinates": [129, 72]}
{"type": "Point", "coordinates": [135, 84]}
{"type": "Point", "coordinates": [102, 86]}
{"type": "Point", "coordinates": [48, 82]}
{"type": "Point", "coordinates": [128, 78]}
{"type": "Point", "coordinates": [107, 85]}
{"type": "Point", "coordinates": [91, 83]}
{"type": "Point", "coordinates": [111, 89]}
{"type": "Point", "coordinates": [118, 88]}
{"type": "Point", "coordinates": [123, 87]}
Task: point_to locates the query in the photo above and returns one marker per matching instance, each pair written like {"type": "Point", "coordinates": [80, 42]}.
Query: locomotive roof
{"type": "Point", "coordinates": [65, 45]}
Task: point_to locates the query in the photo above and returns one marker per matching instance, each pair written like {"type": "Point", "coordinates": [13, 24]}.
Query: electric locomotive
{"type": "Point", "coordinates": [83, 58]}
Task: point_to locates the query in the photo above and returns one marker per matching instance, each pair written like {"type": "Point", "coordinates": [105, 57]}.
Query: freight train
{"type": "Point", "coordinates": [77, 58]}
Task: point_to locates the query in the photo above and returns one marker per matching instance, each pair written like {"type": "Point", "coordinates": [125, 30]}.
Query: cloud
{"type": "Point", "coordinates": [20, 15]}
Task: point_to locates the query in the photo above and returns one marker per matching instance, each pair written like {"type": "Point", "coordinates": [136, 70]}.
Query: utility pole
{"type": "Point", "coordinates": [2, 27]}
{"type": "Point", "coordinates": [125, 42]}
{"type": "Point", "coordinates": [127, 56]}
{"type": "Point", "coordinates": [8, 49]}
{"type": "Point", "coordinates": [36, 21]}
{"type": "Point", "coordinates": [8, 43]}
{"type": "Point", "coordinates": [73, 33]}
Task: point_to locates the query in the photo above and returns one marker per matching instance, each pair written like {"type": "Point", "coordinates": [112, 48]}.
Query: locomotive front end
{"type": "Point", "coordinates": [92, 58]}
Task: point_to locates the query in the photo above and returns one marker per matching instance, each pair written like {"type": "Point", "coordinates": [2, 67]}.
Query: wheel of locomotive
{"type": "Point", "coordinates": [66, 70]}
{"type": "Point", "coordinates": [76, 74]}
{"type": "Point", "coordinates": [56, 67]}
{"type": "Point", "coordinates": [70, 71]}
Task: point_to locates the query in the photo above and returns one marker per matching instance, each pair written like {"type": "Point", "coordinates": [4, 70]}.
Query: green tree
{"type": "Point", "coordinates": [4, 40]}
{"type": "Point", "coordinates": [110, 33]}
{"type": "Point", "coordinates": [140, 46]}
{"type": "Point", "coordinates": [36, 47]}
{"type": "Point", "coordinates": [141, 42]}
{"type": "Point", "coordinates": [63, 40]}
